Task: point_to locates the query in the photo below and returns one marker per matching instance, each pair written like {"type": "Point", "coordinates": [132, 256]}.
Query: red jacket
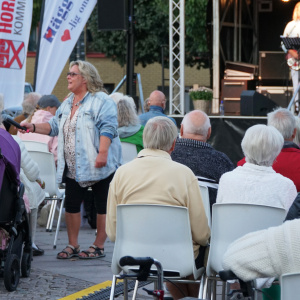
{"type": "Point", "coordinates": [287, 163]}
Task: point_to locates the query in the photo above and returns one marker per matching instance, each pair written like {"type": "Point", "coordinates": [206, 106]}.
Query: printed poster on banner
{"type": "Point", "coordinates": [63, 23]}
{"type": "Point", "coordinates": [15, 23]}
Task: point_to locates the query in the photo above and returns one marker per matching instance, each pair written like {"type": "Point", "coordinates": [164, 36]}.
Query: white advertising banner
{"type": "Point", "coordinates": [63, 23]}
{"type": "Point", "coordinates": [15, 23]}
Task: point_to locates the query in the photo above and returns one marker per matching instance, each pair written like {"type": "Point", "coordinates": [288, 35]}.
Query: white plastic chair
{"type": "Point", "coordinates": [205, 183]}
{"type": "Point", "coordinates": [129, 152]}
{"type": "Point", "coordinates": [36, 146]}
{"type": "Point", "coordinates": [206, 203]}
{"type": "Point", "coordinates": [45, 161]}
{"type": "Point", "coordinates": [290, 286]}
{"type": "Point", "coordinates": [159, 231]}
{"type": "Point", "coordinates": [231, 221]}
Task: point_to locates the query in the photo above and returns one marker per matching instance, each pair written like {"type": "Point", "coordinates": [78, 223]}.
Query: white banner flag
{"type": "Point", "coordinates": [15, 23]}
{"type": "Point", "coordinates": [63, 23]}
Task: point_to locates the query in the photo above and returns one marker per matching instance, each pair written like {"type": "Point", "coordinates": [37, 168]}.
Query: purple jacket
{"type": "Point", "coordinates": [11, 157]}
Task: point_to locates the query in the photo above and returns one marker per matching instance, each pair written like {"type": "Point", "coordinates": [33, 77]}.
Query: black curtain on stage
{"type": "Point", "coordinates": [227, 135]}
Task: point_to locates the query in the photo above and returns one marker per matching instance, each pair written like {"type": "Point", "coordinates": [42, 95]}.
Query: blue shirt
{"type": "Point", "coordinates": [97, 116]}
{"type": "Point", "coordinates": [154, 111]}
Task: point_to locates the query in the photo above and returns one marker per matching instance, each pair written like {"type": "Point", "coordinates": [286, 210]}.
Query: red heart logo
{"type": "Point", "coordinates": [49, 34]}
{"type": "Point", "coordinates": [66, 35]}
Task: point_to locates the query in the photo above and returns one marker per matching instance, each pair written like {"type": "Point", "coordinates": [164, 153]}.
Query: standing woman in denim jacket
{"type": "Point", "coordinates": [89, 151]}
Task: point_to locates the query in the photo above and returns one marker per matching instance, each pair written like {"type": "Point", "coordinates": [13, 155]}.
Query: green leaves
{"type": "Point", "coordinates": [201, 93]}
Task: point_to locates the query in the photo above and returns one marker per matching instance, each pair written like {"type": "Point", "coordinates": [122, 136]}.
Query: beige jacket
{"type": "Point", "coordinates": [153, 178]}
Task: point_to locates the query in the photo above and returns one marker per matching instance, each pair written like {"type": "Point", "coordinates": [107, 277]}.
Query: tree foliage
{"type": "Point", "coordinates": [152, 32]}
{"type": "Point", "coordinates": [36, 13]}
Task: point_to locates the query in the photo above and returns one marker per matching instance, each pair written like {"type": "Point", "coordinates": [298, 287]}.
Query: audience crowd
{"type": "Point", "coordinates": [85, 133]}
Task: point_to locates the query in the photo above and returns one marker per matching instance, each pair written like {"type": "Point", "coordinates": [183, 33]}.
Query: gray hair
{"type": "Point", "coordinates": [283, 120]}
{"type": "Point", "coordinates": [262, 144]}
{"type": "Point", "coordinates": [297, 136]}
{"type": "Point", "coordinates": [159, 133]}
{"type": "Point", "coordinates": [198, 126]}
{"type": "Point", "coordinates": [146, 105]}
{"type": "Point", "coordinates": [116, 96]}
{"type": "Point", "coordinates": [30, 102]}
{"type": "Point", "coordinates": [126, 113]}
{"type": "Point", "coordinates": [90, 74]}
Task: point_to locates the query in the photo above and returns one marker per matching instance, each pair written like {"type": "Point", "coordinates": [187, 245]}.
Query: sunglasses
{"type": "Point", "coordinates": [72, 74]}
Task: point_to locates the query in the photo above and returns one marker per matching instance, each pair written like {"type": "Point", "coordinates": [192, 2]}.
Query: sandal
{"type": "Point", "coordinates": [74, 253]}
{"type": "Point", "coordinates": [99, 252]}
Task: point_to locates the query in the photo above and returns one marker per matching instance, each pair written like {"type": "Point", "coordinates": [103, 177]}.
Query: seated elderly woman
{"type": "Point", "coordinates": [45, 110]}
{"type": "Point", "coordinates": [130, 130]}
{"type": "Point", "coordinates": [28, 106]}
{"type": "Point", "coordinates": [256, 182]}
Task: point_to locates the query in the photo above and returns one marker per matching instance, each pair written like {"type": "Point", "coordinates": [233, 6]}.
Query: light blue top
{"type": "Point", "coordinates": [154, 111]}
{"type": "Point", "coordinates": [97, 116]}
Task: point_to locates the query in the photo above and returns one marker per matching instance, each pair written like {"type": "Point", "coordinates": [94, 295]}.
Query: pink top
{"type": "Point", "coordinates": [41, 116]}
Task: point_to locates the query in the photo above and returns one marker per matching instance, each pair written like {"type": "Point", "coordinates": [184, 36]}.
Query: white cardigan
{"type": "Point", "coordinates": [29, 174]}
{"type": "Point", "coordinates": [265, 253]}
{"type": "Point", "coordinates": [256, 185]}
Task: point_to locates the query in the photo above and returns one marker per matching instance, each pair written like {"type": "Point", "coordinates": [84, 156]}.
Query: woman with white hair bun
{"type": "Point", "coordinates": [256, 182]}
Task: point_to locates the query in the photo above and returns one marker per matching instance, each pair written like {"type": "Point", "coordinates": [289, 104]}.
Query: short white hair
{"type": "Point", "coordinates": [283, 120]}
{"type": "Point", "coordinates": [262, 144]}
{"type": "Point", "coordinates": [297, 136]}
{"type": "Point", "coordinates": [30, 102]}
{"type": "Point", "coordinates": [190, 126]}
{"type": "Point", "coordinates": [159, 133]}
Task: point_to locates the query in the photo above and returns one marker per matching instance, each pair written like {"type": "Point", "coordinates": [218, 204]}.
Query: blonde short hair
{"type": "Point", "coordinates": [90, 74]}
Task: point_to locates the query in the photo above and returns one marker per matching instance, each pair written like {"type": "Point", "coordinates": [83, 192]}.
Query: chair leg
{"type": "Point", "coordinates": [49, 227]}
{"type": "Point", "coordinates": [136, 285]}
{"type": "Point", "coordinates": [223, 290]}
{"type": "Point", "coordinates": [214, 289]}
{"type": "Point", "coordinates": [53, 214]}
{"type": "Point", "coordinates": [113, 286]}
{"type": "Point", "coordinates": [205, 290]}
{"type": "Point", "coordinates": [59, 221]}
{"type": "Point", "coordinates": [200, 295]}
{"type": "Point", "coordinates": [125, 287]}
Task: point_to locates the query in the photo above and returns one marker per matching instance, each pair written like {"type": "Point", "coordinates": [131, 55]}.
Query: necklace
{"type": "Point", "coordinates": [75, 104]}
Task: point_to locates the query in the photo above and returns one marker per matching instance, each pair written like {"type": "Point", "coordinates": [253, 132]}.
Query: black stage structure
{"type": "Point", "coordinates": [250, 33]}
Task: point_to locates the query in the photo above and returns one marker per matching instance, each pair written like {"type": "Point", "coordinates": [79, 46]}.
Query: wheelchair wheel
{"type": "Point", "coordinates": [11, 272]}
{"type": "Point", "coordinates": [26, 264]}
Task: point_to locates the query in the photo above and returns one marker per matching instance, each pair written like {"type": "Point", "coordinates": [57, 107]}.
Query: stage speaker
{"type": "Point", "coordinates": [112, 15]}
{"type": "Point", "coordinates": [273, 66]}
{"type": "Point", "coordinates": [255, 104]}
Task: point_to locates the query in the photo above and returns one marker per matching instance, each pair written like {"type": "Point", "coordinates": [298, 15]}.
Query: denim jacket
{"type": "Point", "coordinates": [97, 116]}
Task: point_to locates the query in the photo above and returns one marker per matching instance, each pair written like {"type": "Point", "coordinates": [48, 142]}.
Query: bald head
{"type": "Point", "coordinates": [196, 125]}
{"type": "Point", "coordinates": [157, 98]}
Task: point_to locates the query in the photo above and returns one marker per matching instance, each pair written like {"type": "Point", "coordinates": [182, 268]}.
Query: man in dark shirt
{"type": "Point", "coordinates": [193, 151]}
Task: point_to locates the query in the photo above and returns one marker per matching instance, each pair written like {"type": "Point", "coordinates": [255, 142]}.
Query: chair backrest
{"type": "Point", "coordinates": [129, 152]}
{"type": "Point", "coordinates": [45, 161]}
{"type": "Point", "coordinates": [160, 231]}
{"type": "Point", "coordinates": [206, 203]}
{"type": "Point", "coordinates": [36, 146]}
{"type": "Point", "coordinates": [231, 221]}
{"type": "Point", "coordinates": [290, 286]}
